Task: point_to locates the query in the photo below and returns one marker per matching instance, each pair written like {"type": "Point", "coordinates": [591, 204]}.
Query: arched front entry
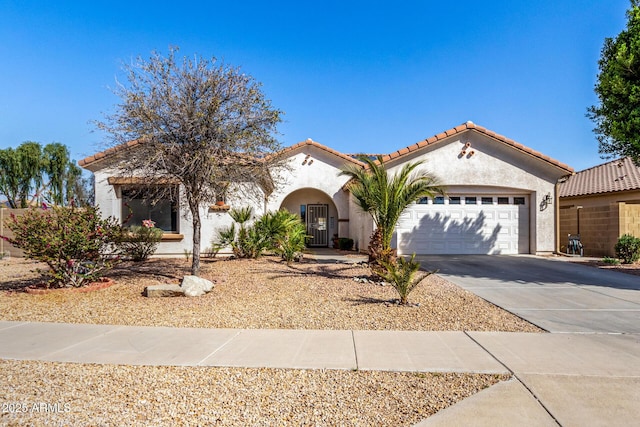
{"type": "Point", "coordinates": [317, 210]}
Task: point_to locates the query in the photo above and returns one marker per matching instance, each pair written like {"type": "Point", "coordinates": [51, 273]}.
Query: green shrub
{"type": "Point", "coordinates": [279, 231]}
{"type": "Point", "coordinates": [140, 242]}
{"type": "Point", "coordinates": [76, 243]}
{"type": "Point", "coordinates": [628, 249]}
{"type": "Point", "coordinates": [611, 261]}
{"type": "Point", "coordinates": [240, 244]}
{"type": "Point", "coordinates": [401, 275]}
{"type": "Point", "coordinates": [291, 242]}
{"type": "Point", "coordinates": [345, 244]}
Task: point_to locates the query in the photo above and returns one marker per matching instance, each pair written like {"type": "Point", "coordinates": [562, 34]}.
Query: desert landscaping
{"type": "Point", "coordinates": [262, 293]}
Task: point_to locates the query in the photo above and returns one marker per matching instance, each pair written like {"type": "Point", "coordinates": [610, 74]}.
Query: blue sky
{"type": "Point", "coordinates": [357, 76]}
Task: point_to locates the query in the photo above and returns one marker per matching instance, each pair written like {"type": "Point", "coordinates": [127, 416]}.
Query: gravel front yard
{"type": "Point", "coordinates": [249, 294]}
{"type": "Point", "coordinates": [101, 395]}
{"type": "Point", "coordinates": [253, 294]}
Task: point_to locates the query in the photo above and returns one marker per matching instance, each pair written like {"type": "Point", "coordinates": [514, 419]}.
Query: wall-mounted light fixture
{"type": "Point", "coordinates": [547, 199]}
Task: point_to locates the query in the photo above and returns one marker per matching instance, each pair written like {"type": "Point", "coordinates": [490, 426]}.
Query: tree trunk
{"type": "Point", "coordinates": [195, 260]}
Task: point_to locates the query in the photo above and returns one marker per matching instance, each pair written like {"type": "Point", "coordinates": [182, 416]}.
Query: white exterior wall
{"type": "Point", "coordinates": [498, 169]}
{"type": "Point", "coordinates": [108, 199]}
{"type": "Point", "coordinates": [313, 173]}
{"type": "Point", "coordinates": [320, 172]}
{"type": "Point", "coordinates": [360, 226]}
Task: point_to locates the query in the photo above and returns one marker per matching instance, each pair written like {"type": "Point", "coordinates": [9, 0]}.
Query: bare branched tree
{"type": "Point", "coordinates": [200, 123]}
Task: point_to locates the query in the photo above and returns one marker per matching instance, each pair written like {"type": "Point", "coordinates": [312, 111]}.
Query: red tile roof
{"type": "Point", "coordinates": [472, 126]}
{"type": "Point", "coordinates": [311, 143]}
{"type": "Point", "coordinates": [89, 161]}
{"type": "Point", "coordinates": [617, 175]}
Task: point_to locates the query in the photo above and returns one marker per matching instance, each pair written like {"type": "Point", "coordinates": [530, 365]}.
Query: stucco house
{"type": "Point", "coordinates": [501, 197]}
{"type": "Point", "coordinates": [601, 204]}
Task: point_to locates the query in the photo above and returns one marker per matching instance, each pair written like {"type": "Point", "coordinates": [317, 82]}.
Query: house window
{"type": "Point", "coordinates": [423, 200]}
{"type": "Point", "coordinates": [503, 200]}
{"type": "Point", "coordinates": [518, 200]}
{"type": "Point", "coordinates": [303, 213]}
{"type": "Point", "coordinates": [470, 200]}
{"type": "Point", "coordinates": [487, 200]}
{"type": "Point", "coordinates": [439, 200]}
{"type": "Point", "coordinates": [159, 205]}
{"type": "Point", "coordinates": [454, 200]}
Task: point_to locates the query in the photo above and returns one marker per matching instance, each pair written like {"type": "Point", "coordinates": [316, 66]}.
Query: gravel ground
{"type": "Point", "coordinates": [45, 393]}
{"type": "Point", "coordinates": [255, 294]}
{"type": "Point", "coordinates": [249, 294]}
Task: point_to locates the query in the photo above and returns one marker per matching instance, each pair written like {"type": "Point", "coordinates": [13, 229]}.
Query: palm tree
{"type": "Point", "coordinates": [386, 197]}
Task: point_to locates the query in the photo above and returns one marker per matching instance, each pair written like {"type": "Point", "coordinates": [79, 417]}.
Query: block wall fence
{"type": "Point", "coordinates": [599, 226]}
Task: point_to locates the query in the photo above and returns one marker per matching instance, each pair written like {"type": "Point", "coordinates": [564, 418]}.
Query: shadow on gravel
{"type": "Point", "coordinates": [361, 300]}
{"type": "Point", "coordinates": [21, 284]}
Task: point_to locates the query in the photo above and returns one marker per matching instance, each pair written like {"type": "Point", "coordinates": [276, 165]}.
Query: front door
{"type": "Point", "coordinates": [317, 226]}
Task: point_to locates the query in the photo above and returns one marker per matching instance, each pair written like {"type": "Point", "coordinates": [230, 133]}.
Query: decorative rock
{"type": "Point", "coordinates": [366, 280]}
{"type": "Point", "coordinates": [194, 286]}
{"type": "Point", "coordinates": [297, 257]}
{"type": "Point", "coordinates": [167, 290]}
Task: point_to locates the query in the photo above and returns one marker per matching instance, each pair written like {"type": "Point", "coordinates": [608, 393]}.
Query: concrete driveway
{"type": "Point", "coordinates": [556, 295]}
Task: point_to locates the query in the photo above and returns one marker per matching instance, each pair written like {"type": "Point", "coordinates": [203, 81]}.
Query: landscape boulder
{"type": "Point", "coordinates": [194, 286]}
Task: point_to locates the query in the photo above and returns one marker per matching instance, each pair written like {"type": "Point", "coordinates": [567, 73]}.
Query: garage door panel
{"type": "Point", "coordinates": [465, 229]}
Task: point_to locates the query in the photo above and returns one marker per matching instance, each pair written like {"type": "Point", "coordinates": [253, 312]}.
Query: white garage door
{"type": "Point", "coordinates": [466, 225]}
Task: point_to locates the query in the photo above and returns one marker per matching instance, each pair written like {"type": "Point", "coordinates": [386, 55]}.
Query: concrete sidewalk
{"type": "Point", "coordinates": [559, 379]}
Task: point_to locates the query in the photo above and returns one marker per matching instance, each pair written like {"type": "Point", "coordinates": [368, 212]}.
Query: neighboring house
{"type": "Point", "coordinates": [601, 204]}
{"type": "Point", "coordinates": [499, 197]}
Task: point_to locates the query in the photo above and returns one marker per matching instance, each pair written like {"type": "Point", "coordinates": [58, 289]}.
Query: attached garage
{"type": "Point", "coordinates": [501, 197]}
{"type": "Point", "coordinates": [466, 224]}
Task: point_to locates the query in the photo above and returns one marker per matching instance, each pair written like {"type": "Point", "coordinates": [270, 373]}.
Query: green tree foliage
{"type": "Point", "coordinates": [31, 173]}
{"type": "Point", "coordinates": [617, 116]}
{"type": "Point", "coordinates": [385, 197]}
{"type": "Point", "coordinates": [201, 123]}
{"type": "Point", "coordinates": [31, 162]}
{"type": "Point", "coordinates": [76, 243]}
{"type": "Point", "coordinates": [10, 176]}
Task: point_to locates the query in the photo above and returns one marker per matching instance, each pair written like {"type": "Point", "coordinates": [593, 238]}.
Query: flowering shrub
{"type": "Point", "coordinates": [141, 242]}
{"type": "Point", "coordinates": [76, 243]}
